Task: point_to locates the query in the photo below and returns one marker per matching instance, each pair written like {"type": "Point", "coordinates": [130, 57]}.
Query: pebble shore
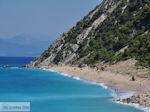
{"type": "Point", "coordinates": [142, 99]}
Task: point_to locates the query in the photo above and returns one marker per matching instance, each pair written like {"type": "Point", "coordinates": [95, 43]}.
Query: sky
{"type": "Point", "coordinates": [30, 26]}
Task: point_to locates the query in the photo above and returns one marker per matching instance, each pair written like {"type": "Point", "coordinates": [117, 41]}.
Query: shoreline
{"type": "Point", "coordinates": [119, 93]}
{"type": "Point", "coordinates": [120, 81]}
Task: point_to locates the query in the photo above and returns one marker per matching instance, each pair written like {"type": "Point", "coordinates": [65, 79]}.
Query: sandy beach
{"type": "Point", "coordinates": [139, 89]}
{"type": "Point", "coordinates": [120, 81]}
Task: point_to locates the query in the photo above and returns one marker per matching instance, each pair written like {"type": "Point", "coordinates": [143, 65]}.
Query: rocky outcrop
{"type": "Point", "coordinates": [142, 99]}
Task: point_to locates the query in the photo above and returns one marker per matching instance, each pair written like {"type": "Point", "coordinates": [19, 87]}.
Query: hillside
{"type": "Point", "coordinates": [114, 35]}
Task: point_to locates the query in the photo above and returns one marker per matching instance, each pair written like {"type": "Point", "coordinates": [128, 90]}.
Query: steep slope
{"type": "Point", "coordinates": [123, 35]}
{"type": "Point", "coordinates": [116, 30]}
{"type": "Point", "coordinates": [66, 47]}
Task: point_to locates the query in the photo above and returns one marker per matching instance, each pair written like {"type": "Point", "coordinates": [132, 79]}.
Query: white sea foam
{"type": "Point", "coordinates": [128, 94]}
{"type": "Point", "coordinates": [64, 74]}
{"type": "Point", "coordinates": [146, 109]}
{"type": "Point", "coordinates": [48, 70]}
{"type": "Point", "coordinates": [61, 73]}
{"type": "Point", "coordinates": [103, 85]}
{"type": "Point", "coordinates": [114, 95]}
{"type": "Point", "coordinates": [121, 94]}
{"type": "Point", "coordinates": [98, 84]}
{"type": "Point", "coordinates": [91, 82]}
{"type": "Point", "coordinates": [77, 78]}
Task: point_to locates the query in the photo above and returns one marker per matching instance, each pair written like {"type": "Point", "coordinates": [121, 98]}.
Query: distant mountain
{"type": "Point", "coordinates": [115, 35]}
{"type": "Point", "coordinates": [23, 45]}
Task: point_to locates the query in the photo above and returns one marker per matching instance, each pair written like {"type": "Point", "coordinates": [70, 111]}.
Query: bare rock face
{"type": "Point", "coordinates": [65, 48]}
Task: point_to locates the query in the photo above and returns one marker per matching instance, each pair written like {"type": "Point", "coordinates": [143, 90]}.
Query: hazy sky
{"type": "Point", "coordinates": [41, 19]}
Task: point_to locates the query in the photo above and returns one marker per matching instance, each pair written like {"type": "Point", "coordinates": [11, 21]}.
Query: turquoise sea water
{"type": "Point", "coordinates": [51, 92]}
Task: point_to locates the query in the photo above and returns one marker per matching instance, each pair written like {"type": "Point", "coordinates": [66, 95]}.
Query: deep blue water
{"type": "Point", "coordinates": [15, 61]}
{"type": "Point", "coordinates": [51, 92]}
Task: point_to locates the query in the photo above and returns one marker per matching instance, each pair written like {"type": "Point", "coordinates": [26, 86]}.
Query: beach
{"type": "Point", "coordinates": [119, 82]}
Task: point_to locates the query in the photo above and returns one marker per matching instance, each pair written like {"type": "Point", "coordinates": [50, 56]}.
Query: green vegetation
{"type": "Point", "coordinates": [128, 25]}
{"type": "Point", "coordinates": [81, 26]}
{"type": "Point", "coordinates": [45, 54]}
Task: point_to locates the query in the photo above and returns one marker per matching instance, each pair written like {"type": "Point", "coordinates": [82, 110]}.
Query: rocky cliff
{"type": "Point", "coordinates": [115, 31]}
{"type": "Point", "coordinates": [66, 47]}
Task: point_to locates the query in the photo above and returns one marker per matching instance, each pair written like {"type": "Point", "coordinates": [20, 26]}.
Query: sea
{"type": "Point", "coordinates": [50, 91]}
